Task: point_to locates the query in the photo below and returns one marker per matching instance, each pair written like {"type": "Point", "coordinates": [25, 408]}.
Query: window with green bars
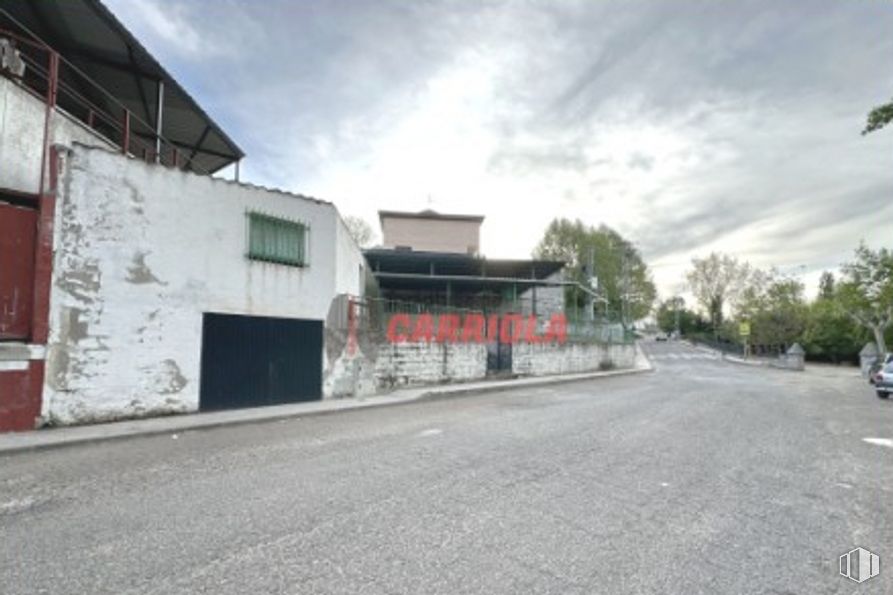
{"type": "Point", "coordinates": [271, 239]}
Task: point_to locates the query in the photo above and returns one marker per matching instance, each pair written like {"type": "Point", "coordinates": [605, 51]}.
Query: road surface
{"type": "Point", "coordinates": [701, 477]}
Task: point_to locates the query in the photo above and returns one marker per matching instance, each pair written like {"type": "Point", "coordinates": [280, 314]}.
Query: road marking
{"type": "Point", "coordinates": [879, 441]}
{"type": "Point", "coordinates": [430, 432]}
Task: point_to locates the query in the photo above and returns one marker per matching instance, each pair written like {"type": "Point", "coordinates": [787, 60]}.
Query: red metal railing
{"type": "Point", "coordinates": [67, 89]}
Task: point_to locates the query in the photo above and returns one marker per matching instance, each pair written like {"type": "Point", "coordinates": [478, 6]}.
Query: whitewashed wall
{"type": "Point", "coordinates": [21, 136]}
{"type": "Point", "coordinates": [141, 252]}
{"type": "Point", "coordinates": [570, 358]}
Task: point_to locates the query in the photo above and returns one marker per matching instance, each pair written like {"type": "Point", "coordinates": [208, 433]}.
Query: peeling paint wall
{"type": "Point", "coordinates": [378, 367]}
{"type": "Point", "coordinates": [21, 136]}
{"type": "Point", "coordinates": [141, 251]}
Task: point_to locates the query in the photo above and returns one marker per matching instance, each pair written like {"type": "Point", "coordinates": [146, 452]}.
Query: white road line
{"type": "Point", "coordinates": [429, 432]}
{"type": "Point", "coordinates": [879, 441]}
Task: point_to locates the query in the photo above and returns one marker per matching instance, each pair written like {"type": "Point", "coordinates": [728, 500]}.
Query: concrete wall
{"type": "Point", "coordinates": [21, 136]}
{"type": "Point", "coordinates": [407, 364]}
{"type": "Point", "coordinates": [570, 358]}
{"type": "Point", "coordinates": [434, 235]}
{"type": "Point", "coordinates": [141, 252]}
{"type": "Point", "coordinates": [377, 366]}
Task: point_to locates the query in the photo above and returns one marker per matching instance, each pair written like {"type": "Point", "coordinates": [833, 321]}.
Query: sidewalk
{"type": "Point", "coordinates": [57, 437]}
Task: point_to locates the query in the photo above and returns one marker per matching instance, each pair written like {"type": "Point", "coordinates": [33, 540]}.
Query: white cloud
{"type": "Point", "coordinates": [687, 127]}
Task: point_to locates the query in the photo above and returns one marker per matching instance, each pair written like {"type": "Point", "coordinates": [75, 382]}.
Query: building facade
{"type": "Point", "coordinates": [131, 282]}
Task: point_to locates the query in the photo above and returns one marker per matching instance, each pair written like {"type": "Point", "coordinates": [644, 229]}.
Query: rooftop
{"type": "Point", "coordinates": [428, 214]}
{"type": "Point", "coordinates": [105, 72]}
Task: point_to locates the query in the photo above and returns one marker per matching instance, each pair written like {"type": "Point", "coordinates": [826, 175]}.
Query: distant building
{"type": "Point", "coordinates": [434, 258]}
{"type": "Point", "coordinates": [430, 231]}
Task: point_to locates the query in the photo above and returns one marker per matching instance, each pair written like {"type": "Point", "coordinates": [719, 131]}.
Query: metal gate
{"type": "Point", "coordinates": [18, 230]}
{"type": "Point", "coordinates": [499, 354]}
{"type": "Point", "coordinates": [252, 361]}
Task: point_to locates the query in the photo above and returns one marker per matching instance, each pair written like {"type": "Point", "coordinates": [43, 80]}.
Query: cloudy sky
{"type": "Point", "coordinates": [686, 126]}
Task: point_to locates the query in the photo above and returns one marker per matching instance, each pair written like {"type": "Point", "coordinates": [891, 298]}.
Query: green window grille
{"type": "Point", "coordinates": [271, 239]}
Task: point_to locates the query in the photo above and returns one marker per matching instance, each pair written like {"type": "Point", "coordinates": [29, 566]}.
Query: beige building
{"type": "Point", "coordinates": [428, 231]}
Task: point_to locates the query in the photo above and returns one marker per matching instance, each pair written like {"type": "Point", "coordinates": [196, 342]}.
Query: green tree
{"type": "Point", "coordinates": [603, 261]}
{"type": "Point", "coordinates": [879, 117]}
{"type": "Point", "coordinates": [866, 291]}
{"type": "Point", "coordinates": [830, 334]}
{"type": "Point", "coordinates": [689, 321]}
{"type": "Point", "coordinates": [717, 282]}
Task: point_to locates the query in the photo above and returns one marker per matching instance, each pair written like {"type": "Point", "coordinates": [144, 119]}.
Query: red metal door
{"type": "Point", "coordinates": [18, 228]}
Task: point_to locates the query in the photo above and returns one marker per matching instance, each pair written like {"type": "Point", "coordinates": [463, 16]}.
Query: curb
{"type": "Point", "coordinates": [437, 395]}
{"type": "Point", "coordinates": [47, 439]}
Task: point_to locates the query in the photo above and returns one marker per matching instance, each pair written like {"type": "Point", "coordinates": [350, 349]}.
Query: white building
{"type": "Point", "coordinates": [129, 286]}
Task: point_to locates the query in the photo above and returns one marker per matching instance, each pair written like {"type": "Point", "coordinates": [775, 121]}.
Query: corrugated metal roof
{"type": "Point", "coordinates": [88, 36]}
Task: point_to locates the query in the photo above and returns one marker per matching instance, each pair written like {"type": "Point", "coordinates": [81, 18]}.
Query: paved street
{"type": "Point", "coordinates": [701, 477]}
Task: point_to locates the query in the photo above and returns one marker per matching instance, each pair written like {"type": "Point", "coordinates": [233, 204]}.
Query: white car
{"type": "Point", "coordinates": [883, 381]}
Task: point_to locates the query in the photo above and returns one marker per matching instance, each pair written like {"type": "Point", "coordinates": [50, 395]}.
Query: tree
{"type": "Point", "coordinates": [775, 307]}
{"type": "Point", "coordinates": [603, 261]}
{"type": "Point", "coordinates": [716, 282]}
{"type": "Point", "coordinates": [359, 230]}
{"type": "Point", "coordinates": [866, 291]}
{"type": "Point", "coordinates": [689, 321]}
{"type": "Point", "coordinates": [879, 117]}
{"type": "Point", "coordinates": [830, 334]}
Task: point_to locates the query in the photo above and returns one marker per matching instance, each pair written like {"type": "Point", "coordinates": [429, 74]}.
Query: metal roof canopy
{"type": "Point", "coordinates": [90, 37]}
{"type": "Point", "coordinates": [431, 266]}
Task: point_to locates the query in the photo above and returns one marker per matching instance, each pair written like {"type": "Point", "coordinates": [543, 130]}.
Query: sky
{"type": "Point", "coordinates": [689, 127]}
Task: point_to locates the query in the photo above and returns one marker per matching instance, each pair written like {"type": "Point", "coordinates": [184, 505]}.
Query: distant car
{"type": "Point", "coordinates": [660, 337]}
{"type": "Point", "coordinates": [877, 366]}
{"type": "Point", "coordinates": [883, 381]}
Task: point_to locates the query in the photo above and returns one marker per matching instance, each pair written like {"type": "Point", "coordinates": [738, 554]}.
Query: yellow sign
{"type": "Point", "coordinates": [744, 329]}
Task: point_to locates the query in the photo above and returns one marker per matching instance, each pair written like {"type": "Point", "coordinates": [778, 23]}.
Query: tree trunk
{"type": "Point", "coordinates": [878, 331]}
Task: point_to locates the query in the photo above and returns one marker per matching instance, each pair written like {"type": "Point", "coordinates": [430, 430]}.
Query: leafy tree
{"type": "Point", "coordinates": [879, 117]}
{"type": "Point", "coordinates": [717, 281]}
{"type": "Point", "coordinates": [618, 274]}
{"type": "Point", "coordinates": [866, 291]}
{"type": "Point", "coordinates": [830, 334]}
{"type": "Point", "coordinates": [360, 230]}
{"type": "Point", "coordinates": [689, 321]}
{"type": "Point", "coordinates": [775, 307]}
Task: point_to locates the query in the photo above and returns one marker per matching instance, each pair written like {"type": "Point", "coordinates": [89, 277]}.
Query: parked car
{"type": "Point", "coordinates": [877, 366]}
{"type": "Point", "coordinates": [660, 337]}
{"type": "Point", "coordinates": [883, 381]}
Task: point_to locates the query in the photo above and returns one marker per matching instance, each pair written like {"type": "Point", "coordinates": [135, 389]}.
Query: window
{"type": "Point", "coordinates": [271, 239]}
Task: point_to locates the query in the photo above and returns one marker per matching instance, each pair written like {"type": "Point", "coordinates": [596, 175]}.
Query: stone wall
{"type": "Point", "coordinates": [372, 365]}
{"type": "Point", "coordinates": [571, 358]}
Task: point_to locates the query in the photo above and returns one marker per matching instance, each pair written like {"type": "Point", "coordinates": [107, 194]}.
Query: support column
{"type": "Point", "coordinates": [159, 120]}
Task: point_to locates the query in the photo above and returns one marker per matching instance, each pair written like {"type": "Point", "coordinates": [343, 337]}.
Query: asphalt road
{"type": "Point", "coordinates": [702, 477]}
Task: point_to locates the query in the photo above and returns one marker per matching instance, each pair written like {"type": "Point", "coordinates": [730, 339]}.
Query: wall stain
{"type": "Point", "coordinates": [170, 378]}
{"type": "Point", "coordinates": [139, 273]}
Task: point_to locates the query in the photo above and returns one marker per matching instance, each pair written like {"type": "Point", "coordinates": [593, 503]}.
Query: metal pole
{"type": "Point", "coordinates": [237, 169]}
{"type": "Point", "coordinates": [52, 88]}
{"type": "Point", "coordinates": [125, 141]}
{"type": "Point", "coordinates": [159, 117]}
